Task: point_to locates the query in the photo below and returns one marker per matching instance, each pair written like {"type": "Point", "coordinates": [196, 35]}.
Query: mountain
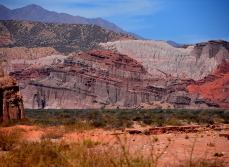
{"type": "Point", "coordinates": [39, 14]}
{"type": "Point", "coordinates": [174, 44]}
{"type": "Point", "coordinates": [65, 38]}
{"type": "Point", "coordinates": [85, 66]}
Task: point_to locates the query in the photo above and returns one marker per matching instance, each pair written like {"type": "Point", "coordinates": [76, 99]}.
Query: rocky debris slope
{"type": "Point", "coordinates": [11, 104]}
{"type": "Point", "coordinates": [65, 38]}
{"type": "Point", "coordinates": [161, 59]}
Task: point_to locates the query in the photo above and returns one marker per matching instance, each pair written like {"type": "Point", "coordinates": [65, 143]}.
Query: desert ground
{"type": "Point", "coordinates": [207, 146]}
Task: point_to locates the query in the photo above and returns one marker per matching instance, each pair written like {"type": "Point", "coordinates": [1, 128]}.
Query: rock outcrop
{"type": "Point", "coordinates": [11, 104]}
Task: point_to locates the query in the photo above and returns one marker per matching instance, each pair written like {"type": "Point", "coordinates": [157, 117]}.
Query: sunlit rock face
{"type": "Point", "coordinates": [161, 59]}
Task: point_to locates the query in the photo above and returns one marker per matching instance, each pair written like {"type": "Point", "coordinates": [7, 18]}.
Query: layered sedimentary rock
{"type": "Point", "coordinates": [161, 59]}
{"type": "Point", "coordinates": [11, 104]}
{"type": "Point", "coordinates": [89, 80]}
{"type": "Point", "coordinates": [96, 79]}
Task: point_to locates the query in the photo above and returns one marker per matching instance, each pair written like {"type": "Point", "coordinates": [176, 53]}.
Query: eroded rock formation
{"type": "Point", "coordinates": [134, 73]}
{"type": "Point", "coordinates": [161, 59]}
{"type": "Point", "coordinates": [89, 80]}
{"type": "Point", "coordinates": [11, 104]}
{"type": "Point", "coordinates": [96, 79]}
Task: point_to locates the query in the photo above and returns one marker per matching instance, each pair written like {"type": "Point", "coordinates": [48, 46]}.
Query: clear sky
{"type": "Point", "coordinates": [183, 21]}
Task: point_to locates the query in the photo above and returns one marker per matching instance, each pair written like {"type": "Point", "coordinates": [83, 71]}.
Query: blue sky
{"type": "Point", "coordinates": [183, 21]}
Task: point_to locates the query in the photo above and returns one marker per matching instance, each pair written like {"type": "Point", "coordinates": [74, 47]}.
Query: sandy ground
{"type": "Point", "coordinates": [172, 148]}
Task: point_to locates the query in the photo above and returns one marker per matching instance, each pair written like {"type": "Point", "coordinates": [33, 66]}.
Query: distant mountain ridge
{"type": "Point", "coordinates": [39, 14]}
{"type": "Point", "coordinates": [174, 44]}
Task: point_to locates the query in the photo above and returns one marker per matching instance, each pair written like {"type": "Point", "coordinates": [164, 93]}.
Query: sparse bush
{"type": "Point", "coordinates": [173, 122]}
{"type": "Point", "coordinates": [211, 144]}
{"type": "Point", "coordinates": [186, 137]}
{"type": "Point", "coordinates": [89, 143]}
{"type": "Point", "coordinates": [218, 154]}
{"type": "Point", "coordinates": [155, 139]}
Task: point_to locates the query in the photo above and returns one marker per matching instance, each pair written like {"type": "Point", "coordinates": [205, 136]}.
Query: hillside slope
{"type": "Point", "coordinates": [65, 38]}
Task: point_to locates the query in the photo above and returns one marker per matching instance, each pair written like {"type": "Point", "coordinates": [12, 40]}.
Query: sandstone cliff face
{"type": "Point", "coordinates": [11, 105]}
{"type": "Point", "coordinates": [161, 59]}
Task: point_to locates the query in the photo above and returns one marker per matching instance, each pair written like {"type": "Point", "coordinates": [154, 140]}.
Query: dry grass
{"type": "Point", "coordinates": [9, 139]}
{"type": "Point", "coordinates": [88, 153]}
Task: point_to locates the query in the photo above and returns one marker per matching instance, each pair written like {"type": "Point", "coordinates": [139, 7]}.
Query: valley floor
{"type": "Point", "coordinates": [206, 148]}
